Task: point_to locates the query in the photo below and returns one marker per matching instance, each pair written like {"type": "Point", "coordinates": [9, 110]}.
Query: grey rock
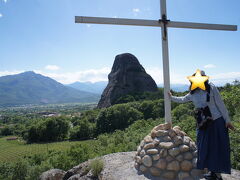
{"type": "Point", "coordinates": [127, 76]}
{"type": "Point", "coordinates": [173, 166]}
{"type": "Point", "coordinates": [174, 151]}
{"type": "Point", "coordinates": [52, 174]}
{"type": "Point", "coordinates": [188, 156]}
{"type": "Point", "coordinates": [80, 169]}
{"type": "Point", "coordinates": [155, 171]}
{"type": "Point", "coordinates": [161, 164]}
{"type": "Point", "coordinates": [147, 161]}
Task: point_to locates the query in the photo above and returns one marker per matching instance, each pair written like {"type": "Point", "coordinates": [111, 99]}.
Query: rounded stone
{"type": "Point", "coordinates": [169, 175]}
{"type": "Point", "coordinates": [169, 158]}
{"type": "Point", "coordinates": [173, 166]}
{"type": "Point", "coordinates": [165, 126]}
{"type": "Point", "coordinates": [153, 133]}
{"type": "Point", "coordinates": [192, 146]}
{"type": "Point", "coordinates": [176, 127]}
{"type": "Point", "coordinates": [171, 133]}
{"type": "Point", "coordinates": [138, 159]}
{"type": "Point", "coordinates": [195, 153]}
{"type": "Point", "coordinates": [156, 142]}
{"type": "Point", "coordinates": [149, 146]}
{"type": "Point", "coordinates": [178, 140]}
{"type": "Point", "coordinates": [147, 161]}
{"type": "Point", "coordinates": [148, 139]}
{"type": "Point", "coordinates": [161, 164]}
{"type": "Point", "coordinates": [142, 143]}
{"type": "Point", "coordinates": [142, 153]}
{"type": "Point", "coordinates": [188, 156]}
{"type": "Point", "coordinates": [166, 138]}
{"type": "Point", "coordinates": [163, 153]}
{"type": "Point", "coordinates": [154, 171]}
{"type": "Point", "coordinates": [139, 149]}
{"type": "Point", "coordinates": [186, 165]}
{"type": "Point", "coordinates": [183, 176]}
{"type": "Point", "coordinates": [152, 151]}
{"type": "Point", "coordinates": [179, 157]}
{"type": "Point", "coordinates": [194, 162]}
{"type": "Point", "coordinates": [184, 148]}
{"type": "Point", "coordinates": [179, 132]}
{"type": "Point", "coordinates": [136, 165]}
{"type": "Point", "coordinates": [166, 145]}
{"type": "Point", "coordinates": [161, 133]}
{"type": "Point", "coordinates": [155, 157]}
{"type": "Point", "coordinates": [186, 140]}
{"type": "Point", "coordinates": [142, 168]}
{"type": "Point", "coordinates": [174, 151]}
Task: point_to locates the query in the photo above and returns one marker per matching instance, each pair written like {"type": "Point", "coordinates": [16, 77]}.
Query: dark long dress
{"type": "Point", "coordinates": [214, 148]}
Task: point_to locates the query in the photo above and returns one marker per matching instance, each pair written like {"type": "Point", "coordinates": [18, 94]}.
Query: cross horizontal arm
{"type": "Point", "coordinates": [116, 21]}
{"type": "Point", "coordinates": [153, 23]}
{"type": "Point", "coordinates": [191, 25]}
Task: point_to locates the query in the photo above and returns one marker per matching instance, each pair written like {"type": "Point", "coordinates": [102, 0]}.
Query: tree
{"type": "Point", "coordinates": [117, 117]}
{"type": "Point", "coordinates": [50, 129]}
{"type": "Point", "coordinates": [84, 130]}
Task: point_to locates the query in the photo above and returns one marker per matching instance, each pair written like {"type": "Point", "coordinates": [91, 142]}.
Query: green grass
{"type": "Point", "coordinates": [11, 151]}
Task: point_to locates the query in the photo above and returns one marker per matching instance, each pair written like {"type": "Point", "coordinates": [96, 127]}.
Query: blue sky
{"type": "Point", "coordinates": [41, 35]}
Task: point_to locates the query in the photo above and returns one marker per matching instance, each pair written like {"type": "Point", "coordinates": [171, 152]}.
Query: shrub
{"type": "Point", "coordinates": [182, 109]}
{"type": "Point", "coordinates": [96, 167]}
{"type": "Point", "coordinates": [20, 170]}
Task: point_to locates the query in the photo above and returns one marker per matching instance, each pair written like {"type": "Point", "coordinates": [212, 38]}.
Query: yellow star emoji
{"type": "Point", "coordinates": [198, 80]}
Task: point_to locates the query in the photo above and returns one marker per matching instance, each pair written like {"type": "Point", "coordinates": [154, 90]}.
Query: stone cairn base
{"type": "Point", "coordinates": [168, 153]}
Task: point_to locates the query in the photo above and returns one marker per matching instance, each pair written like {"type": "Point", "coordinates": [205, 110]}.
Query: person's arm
{"type": "Point", "coordinates": [220, 104]}
{"type": "Point", "coordinates": [181, 99]}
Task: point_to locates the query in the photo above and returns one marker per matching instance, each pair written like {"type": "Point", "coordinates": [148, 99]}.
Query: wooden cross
{"type": "Point", "coordinates": [164, 23]}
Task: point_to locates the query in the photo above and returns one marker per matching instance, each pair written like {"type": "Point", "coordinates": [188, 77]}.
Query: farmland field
{"type": "Point", "coordinates": [13, 150]}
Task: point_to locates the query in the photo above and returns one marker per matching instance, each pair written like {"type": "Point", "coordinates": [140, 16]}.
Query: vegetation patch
{"type": "Point", "coordinates": [96, 166]}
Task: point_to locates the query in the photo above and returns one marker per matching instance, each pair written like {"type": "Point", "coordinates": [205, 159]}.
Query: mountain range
{"type": "Point", "coordinates": [98, 87]}
{"type": "Point", "coordinates": [31, 88]}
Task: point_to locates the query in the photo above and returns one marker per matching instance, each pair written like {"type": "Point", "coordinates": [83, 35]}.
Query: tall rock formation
{"type": "Point", "coordinates": [127, 76]}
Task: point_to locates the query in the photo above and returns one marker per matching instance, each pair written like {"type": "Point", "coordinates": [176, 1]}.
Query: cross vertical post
{"type": "Point", "coordinates": [165, 56]}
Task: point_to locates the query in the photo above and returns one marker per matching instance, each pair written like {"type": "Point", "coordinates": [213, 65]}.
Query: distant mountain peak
{"type": "Point", "coordinates": [32, 88]}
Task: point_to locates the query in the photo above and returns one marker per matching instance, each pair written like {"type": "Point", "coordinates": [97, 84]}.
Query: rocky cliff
{"type": "Point", "coordinates": [127, 76]}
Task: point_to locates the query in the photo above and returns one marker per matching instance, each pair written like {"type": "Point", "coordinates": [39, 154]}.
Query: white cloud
{"type": "Point", "coordinates": [4, 73]}
{"type": "Point", "coordinates": [209, 66]}
{"type": "Point", "coordinates": [1, 15]}
{"type": "Point", "coordinates": [5, 1]}
{"type": "Point", "coordinates": [95, 75]}
{"type": "Point", "coordinates": [92, 75]}
{"type": "Point", "coordinates": [52, 67]}
{"type": "Point", "coordinates": [223, 78]}
{"type": "Point", "coordinates": [136, 11]}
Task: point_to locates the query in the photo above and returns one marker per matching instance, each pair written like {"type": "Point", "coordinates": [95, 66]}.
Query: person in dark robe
{"type": "Point", "coordinates": [212, 132]}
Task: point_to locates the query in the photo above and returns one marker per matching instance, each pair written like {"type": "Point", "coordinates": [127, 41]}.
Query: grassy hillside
{"type": "Point", "coordinates": [12, 151]}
